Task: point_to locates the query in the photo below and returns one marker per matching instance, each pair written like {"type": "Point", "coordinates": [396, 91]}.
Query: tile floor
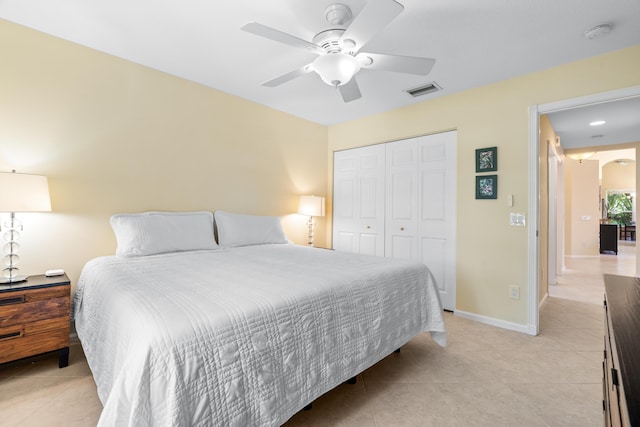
{"type": "Point", "coordinates": [484, 377]}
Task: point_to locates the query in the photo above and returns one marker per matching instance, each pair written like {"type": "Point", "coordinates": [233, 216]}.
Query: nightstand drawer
{"type": "Point", "coordinates": [28, 329]}
{"type": "Point", "coordinates": [33, 305]}
{"type": "Point", "coordinates": [26, 341]}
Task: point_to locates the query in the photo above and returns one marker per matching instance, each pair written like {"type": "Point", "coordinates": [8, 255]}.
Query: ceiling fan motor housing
{"type": "Point", "coordinates": [338, 14]}
{"type": "Point", "coordinates": [329, 40]}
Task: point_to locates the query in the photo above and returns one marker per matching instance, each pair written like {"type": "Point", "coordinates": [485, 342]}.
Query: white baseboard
{"type": "Point", "coordinates": [582, 256]}
{"type": "Point", "coordinates": [494, 322]}
{"type": "Point", "coordinates": [543, 300]}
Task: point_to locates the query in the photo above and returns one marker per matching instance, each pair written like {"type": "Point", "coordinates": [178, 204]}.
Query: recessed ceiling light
{"type": "Point", "coordinates": [597, 123]}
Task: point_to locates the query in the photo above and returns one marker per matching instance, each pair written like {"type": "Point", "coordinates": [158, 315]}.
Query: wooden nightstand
{"type": "Point", "coordinates": [34, 318]}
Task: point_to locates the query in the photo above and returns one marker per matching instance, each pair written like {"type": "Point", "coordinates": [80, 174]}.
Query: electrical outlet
{"type": "Point", "coordinates": [514, 292]}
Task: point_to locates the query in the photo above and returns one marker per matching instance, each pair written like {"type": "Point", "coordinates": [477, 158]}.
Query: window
{"type": "Point", "coordinates": [620, 207]}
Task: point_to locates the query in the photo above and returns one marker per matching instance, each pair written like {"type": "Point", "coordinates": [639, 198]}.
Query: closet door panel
{"type": "Point", "coordinates": [433, 255]}
{"type": "Point", "coordinates": [401, 219]}
{"type": "Point", "coordinates": [345, 215]}
{"type": "Point", "coordinates": [437, 223]}
{"type": "Point", "coordinates": [371, 204]}
{"type": "Point", "coordinates": [369, 188]}
{"type": "Point", "coordinates": [403, 247]}
{"type": "Point", "coordinates": [344, 198]}
{"type": "Point", "coordinates": [369, 243]}
{"type": "Point", "coordinates": [344, 241]}
{"type": "Point", "coordinates": [433, 195]}
{"type": "Point", "coordinates": [402, 201]}
{"type": "Point", "coordinates": [371, 200]}
{"type": "Point", "coordinates": [358, 217]}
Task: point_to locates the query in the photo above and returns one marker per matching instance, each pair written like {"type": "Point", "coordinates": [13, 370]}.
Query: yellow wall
{"type": "Point", "coordinates": [113, 136]}
{"type": "Point", "coordinates": [491, 255]}
{"type": "Point", "coordinates": [582, 191]}
{"type": "Point", "coordinates": [617, 176]}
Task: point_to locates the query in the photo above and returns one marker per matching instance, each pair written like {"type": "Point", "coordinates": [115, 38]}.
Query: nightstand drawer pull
{"type": "Point", "coordinates": [13, 300]}
{"type": "Point", "coordinates": [16, 334]}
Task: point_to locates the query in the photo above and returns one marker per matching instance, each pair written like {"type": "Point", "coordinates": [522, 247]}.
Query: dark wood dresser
{"type": "Point", "coordinates": [621, 366]}
{"type": "Point", "coordinates": [608, 238]}
{"type": "Point", "coordinates": [34, 318]}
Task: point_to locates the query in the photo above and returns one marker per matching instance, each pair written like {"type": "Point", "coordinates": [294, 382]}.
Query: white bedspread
{"type": "Point", "coordinates": [242, 337]}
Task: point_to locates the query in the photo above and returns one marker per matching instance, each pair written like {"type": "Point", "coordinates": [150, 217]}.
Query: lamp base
{"type": "Point", "coordinates": [310, 231]}
{"type": "Point", "coordinates": [15, 279]}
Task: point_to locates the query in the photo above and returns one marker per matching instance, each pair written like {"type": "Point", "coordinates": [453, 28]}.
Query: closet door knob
{"type": "Point", "coordinates": [401, 228]}
{"type": "Point", "coordinates": [368, 226]}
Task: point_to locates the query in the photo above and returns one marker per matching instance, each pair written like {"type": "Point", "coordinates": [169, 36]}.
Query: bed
{"type": "Point", "coordinates": [241, 334]}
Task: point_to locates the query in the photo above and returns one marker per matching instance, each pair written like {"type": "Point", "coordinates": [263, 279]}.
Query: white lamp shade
{"type": "Point", "coordinates": [311, 206]}
{"type": "Point", "coordinates": [21, 192]}
{"type": "Point", "coordinates": [336, 69]}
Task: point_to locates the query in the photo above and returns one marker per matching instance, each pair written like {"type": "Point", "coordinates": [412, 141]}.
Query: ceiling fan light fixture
{"type": "Point", "coordinates": [336, 69]}
{"type": "Point", "coordinates": [365, 60]}
{"type": "Point", "coordinates": [348, 44]}
{"type": "Point", "coordinates": [581, 156]}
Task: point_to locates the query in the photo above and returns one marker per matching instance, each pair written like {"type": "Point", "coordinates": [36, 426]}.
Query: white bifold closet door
{"type": "Point", "coordinates": [411, 206]}
{"type": "Point", "coordinates": [358, 200]}
{"type": "Point", "coordinates": [401, 204]}
{"type": "Point", "coordinates": [437, 211]}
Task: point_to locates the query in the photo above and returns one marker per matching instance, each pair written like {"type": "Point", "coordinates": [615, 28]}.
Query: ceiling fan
{"type": "Point", "coordinates": [338, 48]}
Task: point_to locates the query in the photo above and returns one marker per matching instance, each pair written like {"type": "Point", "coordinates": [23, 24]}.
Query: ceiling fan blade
{"type": "Point", "coordinates": [396, 63]}
{"type": "Point", "coordinates": [350, 90]}
{"type": "Point", "coordinates": [279, 36]}
{"type": "Point", "coordinates": [288, 76]}
{"type": "Point", "coordinates": [371, 20]}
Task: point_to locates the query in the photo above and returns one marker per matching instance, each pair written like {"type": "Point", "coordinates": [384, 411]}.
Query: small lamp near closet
{"type": "Point", "coordinates": [311, 206]}
{"type": "Point", "coordinates": [19, 193]}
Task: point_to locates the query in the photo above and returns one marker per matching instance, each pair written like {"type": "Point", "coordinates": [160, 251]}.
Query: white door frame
{"type": "Point", "coordinates": [556, 214]}
{"type": "Point", "coordinates": [552, 269]}
{"type": "Point", "coordinates": [534, 191]}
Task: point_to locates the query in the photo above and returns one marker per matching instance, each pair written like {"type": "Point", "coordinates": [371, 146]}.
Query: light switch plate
{"type": "Point", "coordinates": [517, 219]}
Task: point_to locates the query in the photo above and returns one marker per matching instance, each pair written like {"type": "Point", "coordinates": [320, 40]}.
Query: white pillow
{"type": "Point", "coordinates": [151, 233]}
{"type": "Point", "coordinates": [244, 230]}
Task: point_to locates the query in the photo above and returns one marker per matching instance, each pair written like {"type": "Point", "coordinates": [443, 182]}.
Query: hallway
{"type": "Point", "coordinates": [582, 279]}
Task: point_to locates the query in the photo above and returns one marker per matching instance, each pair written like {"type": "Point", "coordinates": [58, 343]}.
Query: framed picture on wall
{"type": "Point", "coordinates": [487, 187]}
{"type": "Point", "coordinates": [487, 159]}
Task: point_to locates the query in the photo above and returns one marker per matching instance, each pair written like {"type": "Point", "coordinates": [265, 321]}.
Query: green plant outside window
{"type": "Point", "coordinates": [620, 208]}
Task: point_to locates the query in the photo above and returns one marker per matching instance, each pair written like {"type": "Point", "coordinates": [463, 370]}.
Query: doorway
{"type": "Point", "coordinates": [580, 279]}
{"type": "Point", "coordinates": [538, 264]}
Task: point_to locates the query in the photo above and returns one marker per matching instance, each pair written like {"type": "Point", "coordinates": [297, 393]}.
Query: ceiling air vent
{"type": "Point", "coordinates": [424, 89]}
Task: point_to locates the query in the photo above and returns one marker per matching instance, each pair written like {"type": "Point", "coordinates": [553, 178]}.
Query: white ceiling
{"type": "Point", "coordinates": [622, 125]}
{"type": "Point", "coordinates": [474, 43]}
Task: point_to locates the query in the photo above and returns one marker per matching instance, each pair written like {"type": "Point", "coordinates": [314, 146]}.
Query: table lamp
{"type": "Point", "coordinates": [311, 206]}
{"type": "Point", "coordinates": [19, 193]}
